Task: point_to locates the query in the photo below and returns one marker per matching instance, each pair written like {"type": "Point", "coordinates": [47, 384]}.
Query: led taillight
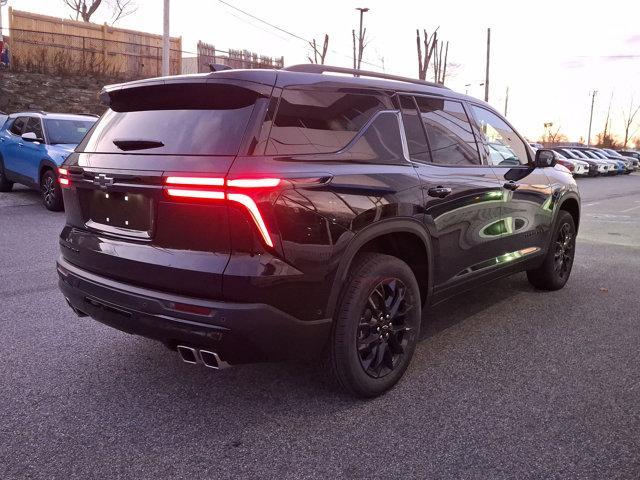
{"type": "Point", "coordinates": [199, 181]}
{"type": "Point", "coordinates": [177, 187]}
{"type": "Point", "coordinates": [62, 179]}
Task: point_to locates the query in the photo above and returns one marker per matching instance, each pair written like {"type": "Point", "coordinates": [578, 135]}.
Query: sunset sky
{"type": "Point", "coordinates": [551, 54]}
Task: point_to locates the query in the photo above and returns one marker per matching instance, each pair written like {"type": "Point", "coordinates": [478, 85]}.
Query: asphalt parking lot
{"type": "Point", "coordinates": [507, 382]}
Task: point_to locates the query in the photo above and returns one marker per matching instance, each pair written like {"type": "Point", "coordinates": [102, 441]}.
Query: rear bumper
{"type": "Point", "coordinates": [237, 332]}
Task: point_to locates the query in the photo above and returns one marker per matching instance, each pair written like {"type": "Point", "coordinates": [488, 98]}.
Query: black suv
{"type": "Point", "coordinates": [258, 215]}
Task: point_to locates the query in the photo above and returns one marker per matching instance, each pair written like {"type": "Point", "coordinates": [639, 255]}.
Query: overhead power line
{"type": "Point", "coordinates": [298, 37]}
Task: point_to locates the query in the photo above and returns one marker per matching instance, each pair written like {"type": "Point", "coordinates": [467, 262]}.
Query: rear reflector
{"type": "Point", "coordinates": [197, 309]}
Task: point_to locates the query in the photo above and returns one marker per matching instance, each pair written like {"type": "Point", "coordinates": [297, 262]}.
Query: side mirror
{"type": "Point", "coordinates": [545, 158]}
{"type": "Point", "coordinates": [31, 137]}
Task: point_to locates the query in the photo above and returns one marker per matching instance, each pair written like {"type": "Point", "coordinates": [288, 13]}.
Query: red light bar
{"type": "Point", "coordinates": [255, 214]}
{"type": "Point", "coordinates": [203, 181]}
{"type": "Point", "coordinates": [64, 181]}
{"type": "Point", "coordinates": [63, 171]}
{"type": "Point", "coordinates": [254, 182]}
{"type": "Point", "coordinates": [180, 192]}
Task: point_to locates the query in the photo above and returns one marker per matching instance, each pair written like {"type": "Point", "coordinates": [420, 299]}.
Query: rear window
{"type": "Point", "coordinates": [67, 131]}
{"type": "Point", "coordinates": [317, 121]}
{"type": "Point", "coordinates": [185, 119]}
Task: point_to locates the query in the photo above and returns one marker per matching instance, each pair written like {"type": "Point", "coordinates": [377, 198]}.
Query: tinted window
{"type": "Point", "coordinates": [416, 139]}
{"type": "Point", "coordinates": [449, 132]}
{"type": "Point", "coordinates": [200, 119]}
{"type": "Point", "coordinates": [505, 147]}
{"type": "Point", "coordinates": [34, 125]}
{"type": "Point", "coordinates": [18, 125]}
{"type": "Point", "coordinates": [67, 131]}
{"type": "Point", "coordinates": [380, 142]}
{"type": "Point", "coordinates": [316, 121]}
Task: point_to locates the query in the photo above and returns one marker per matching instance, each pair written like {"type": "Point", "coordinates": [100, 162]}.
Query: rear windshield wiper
{"type": "Point", "coordinates": [137, 144]}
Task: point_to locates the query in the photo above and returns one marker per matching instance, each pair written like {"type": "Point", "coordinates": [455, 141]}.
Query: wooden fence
{"type": "Point", "coordinates": [208, 54]}
{"type": "Point", "coordinates": [55, 45]}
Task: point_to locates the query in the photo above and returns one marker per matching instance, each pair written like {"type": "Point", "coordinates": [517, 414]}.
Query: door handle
{"type": "Point", "coordinates": [511, 185]}
{"type": "Point", "coordinates": [439, 192]}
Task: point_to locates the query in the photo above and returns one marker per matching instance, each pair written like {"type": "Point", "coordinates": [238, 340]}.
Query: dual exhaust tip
{"type": "Point", "coordinates": [207, 358]}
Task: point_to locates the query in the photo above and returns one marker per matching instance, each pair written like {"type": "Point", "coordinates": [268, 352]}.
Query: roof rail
{"type": "Point", "coordinates": [317, 68]}
{"type": "Point", "coordinates": [39, 112]}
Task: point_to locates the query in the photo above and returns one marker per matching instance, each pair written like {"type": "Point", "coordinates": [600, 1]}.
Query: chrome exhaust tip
{"type": "Point", "coordinates": [188, 354]}
{"type": "Point", "coordinates": [212, 360]}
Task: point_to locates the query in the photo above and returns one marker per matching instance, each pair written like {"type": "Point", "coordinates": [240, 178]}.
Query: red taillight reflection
{"type": "Point", "coordinates": [175, 188]}
{"type": "Point", "coordinates": [63, 171]}
{"type": "Point", "coordinates": [64, 181]}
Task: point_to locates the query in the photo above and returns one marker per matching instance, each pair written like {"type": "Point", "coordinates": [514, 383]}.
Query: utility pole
{"type": "Point", "coordinates": [360, 38]}
{"type": "Point", "coordinates": [486, 80]}
{"type": "Point", "coordinates": [593, 98]}
{"type": "Point", "coordinates": [506, 102]}
{"type": "Point", "coordinates": [165, 41]}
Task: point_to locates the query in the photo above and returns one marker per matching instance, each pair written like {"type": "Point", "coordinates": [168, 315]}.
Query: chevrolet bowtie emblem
{"type": "Point", "coordinates": [102, 181]}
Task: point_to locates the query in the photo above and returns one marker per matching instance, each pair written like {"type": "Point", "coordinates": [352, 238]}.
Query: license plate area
{"type": "Point", "coordinates": [119, 213]}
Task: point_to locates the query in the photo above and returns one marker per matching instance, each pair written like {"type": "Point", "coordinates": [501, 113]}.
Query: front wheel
{"type": "Point", "coordinates": [377, 325]}
{"type": "Point", "coordinates": [556, 268]}
{"type": "Point", "coordinates": [51, 192]}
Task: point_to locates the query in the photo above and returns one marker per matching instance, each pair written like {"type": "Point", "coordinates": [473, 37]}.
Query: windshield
{"type": "Point", "coordinates": [67, 131]}
{"type": "Point", "coordinates": [613, 153]}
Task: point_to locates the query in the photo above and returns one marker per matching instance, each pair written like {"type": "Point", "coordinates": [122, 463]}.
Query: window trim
{"type": "Point", "coordinates": [44, 133]}
{"type": "Point", "coordinates": [471, 121]}
{"type": "Point", "coordinates": [530, 162]}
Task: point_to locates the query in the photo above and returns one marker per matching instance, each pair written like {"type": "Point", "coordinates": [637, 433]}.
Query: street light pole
{"type": "Point", "coordinates": [165, 41]}
{"type": "Point", "coordinates": [593, 98]}
{"type": "Point", "coordinates": [363, 10]}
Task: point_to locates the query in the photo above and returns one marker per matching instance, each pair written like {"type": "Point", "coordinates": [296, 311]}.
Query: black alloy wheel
{"type": "Point", "coordinates": [556, 267]}
{"type": "Point", "coordinates": [383, 331]}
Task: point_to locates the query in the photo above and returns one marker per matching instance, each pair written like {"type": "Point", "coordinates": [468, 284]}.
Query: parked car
{"type": "Point", "coordinates": [32, 147]}
{"type": "Point", "coordinates": [256, 215]}
{"type": "Point", "coordinates": [3, 117]}
{"type": "Point", "coordinates": [578, 167]}
{"type": "Point", "coordinates": [614, 167]}
{"type": "Point", "coordinates": [630, 153]}
{"type": "Point", "coordinates": [596, 167]}
{"type": "Point", "coordinates": [631, 161]}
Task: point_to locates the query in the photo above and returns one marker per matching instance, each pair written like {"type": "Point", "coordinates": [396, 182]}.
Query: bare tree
{"type": "Point", "coordinates": [319, 55]}
{"type": "Point", "coordinates": [552, 136]}
{"type": "Point", "coordinates": [435, 52]}
{"type": "Point", "coordinates": [121, 9]}
{"type": "Point", "coordinates": [83, 8]}
{"type": "Point", "coordinates": [628, 118]}
{"type": "Point", "coordinates": [86, 8]}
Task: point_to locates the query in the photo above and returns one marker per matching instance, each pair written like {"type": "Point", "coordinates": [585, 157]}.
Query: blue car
{"type": "Point", "coordinates": [32, 147]}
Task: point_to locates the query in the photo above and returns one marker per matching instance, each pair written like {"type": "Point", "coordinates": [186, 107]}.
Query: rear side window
{"type": "Point", "coordinates": [18, 125]}
{"type": "Point", "coordinates": [316, 121]}
{"type": "Point", "coordinates": [34, 125]}
{"type": "Point", "coordinates": [380, 142]}
{"type": "Point", "coordinates": [449, 132]}
{"type": "Point", "coordinates": [416, 139]}
{"type": "Point", "coordinates": [182, 119]}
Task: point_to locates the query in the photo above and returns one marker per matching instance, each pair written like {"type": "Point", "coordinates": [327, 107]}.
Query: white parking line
{"type": "Point", "coordinates": [629, 209]}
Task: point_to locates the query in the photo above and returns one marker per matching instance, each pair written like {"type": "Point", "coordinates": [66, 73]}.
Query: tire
{"type": "Point", "coordinates": [50, 191]}
{"type": "Point", "coordinates": [371, 348]}
{"type": "Point", "coordinates": [554, 272]}
{"type": "Point", "coordinates": [5, 184]}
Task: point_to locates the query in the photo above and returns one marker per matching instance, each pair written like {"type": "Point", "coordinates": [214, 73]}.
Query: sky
{"type": "Point", "coordinates": [551, 54]}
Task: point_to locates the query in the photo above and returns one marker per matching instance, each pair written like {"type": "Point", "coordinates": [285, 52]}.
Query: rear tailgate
{"type": "Point", "coordinates": [120, 221]}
